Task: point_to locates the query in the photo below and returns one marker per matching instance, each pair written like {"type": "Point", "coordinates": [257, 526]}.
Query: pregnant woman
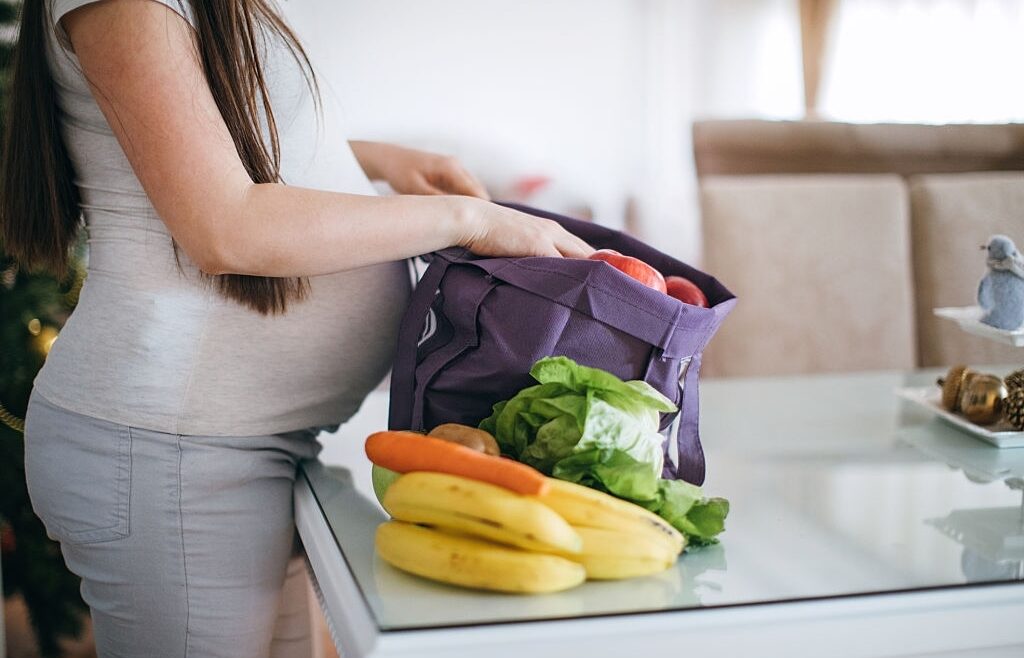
{"type": "Point", "coordinates": [244, 290]}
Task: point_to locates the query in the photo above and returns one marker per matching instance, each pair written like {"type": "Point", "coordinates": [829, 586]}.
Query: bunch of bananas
{"type": "Point", "coordinates": [475, 534]}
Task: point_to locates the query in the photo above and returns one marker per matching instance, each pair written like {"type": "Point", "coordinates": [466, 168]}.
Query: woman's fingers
{"type": "Point", "coordinates": [573, 247]}
{"type": "Point", "coordinates": [453, 179]}
{"type": "Point", "coordinates": [565, 243]}
{"type": "Point", "coordinates": [422, 185]}
{"type": "Point", "coordinates": [550, 250]}
{"type": "Point", "coordinates": [473, 186]}
{"type": "Point", "coordinates": [494, 230]}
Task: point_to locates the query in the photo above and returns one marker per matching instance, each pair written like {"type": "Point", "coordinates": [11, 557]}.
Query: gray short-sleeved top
{"type": "Point", "coordinates": [150, 345]}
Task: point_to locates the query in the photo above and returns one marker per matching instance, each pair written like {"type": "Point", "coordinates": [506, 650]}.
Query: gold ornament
{"type": "Point", "coordinates": [10, 420]}
{"type": "Point", "coordinates": [1013, 408]}
{"type": "Point", "coordinates": [43, 341]}
{"type": "Point", "coordinates": [952, 384]}
{"type": "Point", "coordinates": [981, 400]}
{"type": "Point", "coordinates": [35, 326]}
{"type": "Point", "coordinates": [1014, 380]}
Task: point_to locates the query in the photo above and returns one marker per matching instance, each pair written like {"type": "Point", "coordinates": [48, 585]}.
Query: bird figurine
{"type": "Point", "coordinates": [1001, 291]}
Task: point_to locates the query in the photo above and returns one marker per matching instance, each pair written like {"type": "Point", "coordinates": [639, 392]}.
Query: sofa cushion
{"type": "Point", "coordinates": [752, 146]}
{"type": "Point", "coordinates": [821, 267]}
{"type": "Point", "coordinates": [953, 215]}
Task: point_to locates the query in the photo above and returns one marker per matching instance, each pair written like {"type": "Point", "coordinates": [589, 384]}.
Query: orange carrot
{"type": "Point", "coordinates": [404, 452]}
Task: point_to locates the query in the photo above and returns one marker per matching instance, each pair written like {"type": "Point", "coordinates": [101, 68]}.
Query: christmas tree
{"type": "Point", "coordinates": [32, 309]}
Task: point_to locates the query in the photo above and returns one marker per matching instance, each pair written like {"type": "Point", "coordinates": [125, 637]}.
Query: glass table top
{"type": "Point", "coordinates": [837, 488]}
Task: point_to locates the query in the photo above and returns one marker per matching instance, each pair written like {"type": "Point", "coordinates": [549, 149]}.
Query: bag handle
{"type": "Point", "coordinates": [403, 372]}
{"type": "Point", "coordinates": [465, 337]}
{"type": "Point", "coordinates": [690, 464]}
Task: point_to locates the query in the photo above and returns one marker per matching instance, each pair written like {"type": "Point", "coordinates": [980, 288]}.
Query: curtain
{"type": "Point", "coordinates": [815, 19]}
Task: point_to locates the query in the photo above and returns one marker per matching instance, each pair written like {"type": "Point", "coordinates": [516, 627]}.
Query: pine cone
{"type": "Point", "coordinates": [1014, 380]}
{"type": "Point", "coordinates": [1013, 408]}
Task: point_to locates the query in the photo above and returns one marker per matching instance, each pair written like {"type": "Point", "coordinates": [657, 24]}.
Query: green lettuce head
{"type": "Point", "coordinates": [588, 426]}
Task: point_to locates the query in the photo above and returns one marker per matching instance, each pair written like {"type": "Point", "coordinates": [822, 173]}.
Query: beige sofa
{"type": "Point", "coordinates": [840, 239]}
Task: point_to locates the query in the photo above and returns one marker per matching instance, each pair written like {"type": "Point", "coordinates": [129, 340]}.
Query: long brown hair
{"type": "Point", "coordinates": [39, 205]}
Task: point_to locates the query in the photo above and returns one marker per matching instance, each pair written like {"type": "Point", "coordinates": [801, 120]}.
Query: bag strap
{"type": "Point", "coordinates": [688, 461]}
{"type": "Point", "coordinates": [690, 465]}
{"type": "Point", "coordinates": [403, 372]}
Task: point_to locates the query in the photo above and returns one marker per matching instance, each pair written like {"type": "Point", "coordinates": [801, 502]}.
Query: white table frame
{"type": "Point", "coordinates": [926, 622]}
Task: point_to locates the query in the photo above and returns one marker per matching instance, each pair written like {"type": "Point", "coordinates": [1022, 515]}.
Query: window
{"type": "Point", "coordinates": [933, 61]}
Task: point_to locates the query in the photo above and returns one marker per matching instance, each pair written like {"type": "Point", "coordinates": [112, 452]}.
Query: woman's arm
{"type": "Point", "coordinates": [409, 171]}
{"type": "Point", "coordinates": [145, 72]}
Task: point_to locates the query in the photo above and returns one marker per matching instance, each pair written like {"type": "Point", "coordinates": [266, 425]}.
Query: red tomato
{"type": "Point", "coordinates": [685, 291]}
{"type": "Point", "coordinates": [634, 267]}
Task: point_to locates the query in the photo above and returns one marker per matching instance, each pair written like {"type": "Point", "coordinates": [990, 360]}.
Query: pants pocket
{"type": "Point", "coordinates": [78, 471]}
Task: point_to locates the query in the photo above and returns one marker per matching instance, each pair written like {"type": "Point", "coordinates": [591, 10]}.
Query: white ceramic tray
{"type": "Point", "coordinates": [929, 398]}
{"type": "Point", "coordinates": [969, 319]}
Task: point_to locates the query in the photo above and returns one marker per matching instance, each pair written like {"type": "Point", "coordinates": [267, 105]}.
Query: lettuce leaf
{"type": "Point", "coordinates": [588, 426]}
{"type": "Point", "coordinates": [609, 470]}
{"type": "Point", "coordinates": [705, 521]}
{"type": "Point", "coordinates": [683, 505]}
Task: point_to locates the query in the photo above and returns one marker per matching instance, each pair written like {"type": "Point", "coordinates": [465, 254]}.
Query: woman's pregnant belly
{"type": "Point", "coordinates": [183, 359]}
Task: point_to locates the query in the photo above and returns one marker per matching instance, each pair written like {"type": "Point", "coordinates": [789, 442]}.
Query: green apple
{"type": "Point", "coordinates": [382, 479]}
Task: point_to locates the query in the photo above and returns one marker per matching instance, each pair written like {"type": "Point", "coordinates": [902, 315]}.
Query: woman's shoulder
{"type": "Point", "coordinates": [58, 9]}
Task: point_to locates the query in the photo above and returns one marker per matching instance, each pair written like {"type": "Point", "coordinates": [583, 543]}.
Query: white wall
{"type": "Point", "coordinates": [750, 59]}
{"type": "Point", "coordinates": [561, 87]}
{"type": "Point", "coordinates": [598, 94]}
{"type": "Point", "coordinates": [539, 84]}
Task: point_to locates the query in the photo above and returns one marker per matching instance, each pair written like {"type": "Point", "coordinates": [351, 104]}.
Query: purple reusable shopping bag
{"type": "Point", "coordinates": [475, 326]}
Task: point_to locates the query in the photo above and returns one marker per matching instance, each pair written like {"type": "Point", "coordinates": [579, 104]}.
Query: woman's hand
{"type": "Point", "coordinates": [482, 227]}
{"type": "Point", "coordinates": [493, 230]}
{"type": "Point", "coordinates": [409, 171]}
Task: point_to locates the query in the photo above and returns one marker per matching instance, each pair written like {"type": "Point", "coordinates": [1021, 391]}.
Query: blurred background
{"type": "Point", "coordinates": [599, 95]}
{"type": "Point", "coordinates": [835, 163]}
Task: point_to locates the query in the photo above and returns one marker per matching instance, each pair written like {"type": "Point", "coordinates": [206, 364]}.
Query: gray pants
{"type": "Point", "coordinates": [183, 543]}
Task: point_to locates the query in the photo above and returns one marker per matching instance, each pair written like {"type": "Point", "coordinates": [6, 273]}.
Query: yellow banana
{"type": "Point", "coordinates": [470, 562]}
{"type": "Point", "coordinates": [585, 507]}
{"type": "Point", "coordinates": [481, 509]}
{"type": "Point", "coordinates": [613, 554]}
